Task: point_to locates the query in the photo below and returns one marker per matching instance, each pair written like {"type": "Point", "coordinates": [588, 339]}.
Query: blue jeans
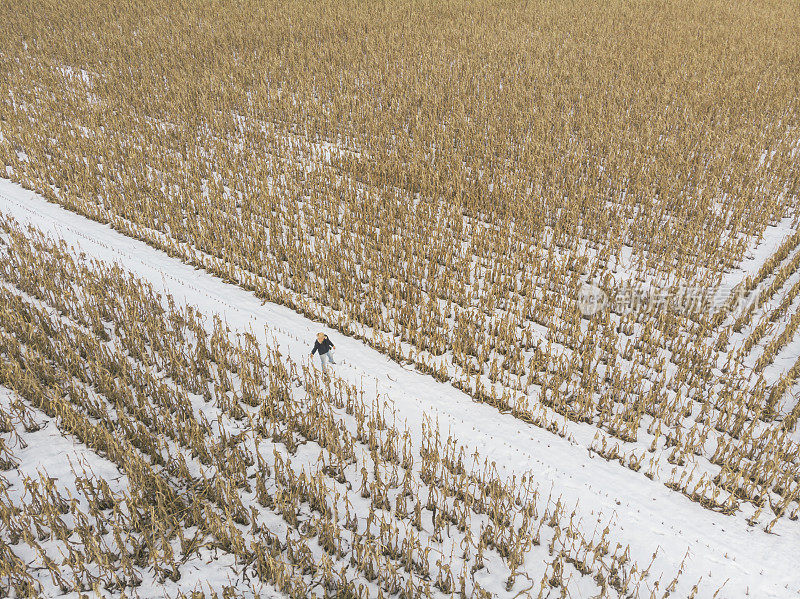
{"type": "Point", "coordinates": [325, 358]}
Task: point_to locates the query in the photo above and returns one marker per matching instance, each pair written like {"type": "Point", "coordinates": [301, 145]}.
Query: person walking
{"type": "Point", "coordinates": [324, 346]}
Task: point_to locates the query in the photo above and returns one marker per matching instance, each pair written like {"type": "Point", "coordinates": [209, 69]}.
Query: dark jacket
{"type": "Point", "coordinates": [323, 347]}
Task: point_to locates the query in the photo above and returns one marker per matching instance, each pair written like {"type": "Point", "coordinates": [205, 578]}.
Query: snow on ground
{"type": "Point", "coordinates": [47, 452]}
{"type": "Point", "coordinates": [53, 454]}
{"type": "Point", "coordinates": [772, 238]}
{"type": "Point", "coordinates": [719, 550]}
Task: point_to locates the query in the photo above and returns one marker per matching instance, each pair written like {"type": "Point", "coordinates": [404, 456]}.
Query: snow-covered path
{"type": "Point", "coordinates": [644, 514]}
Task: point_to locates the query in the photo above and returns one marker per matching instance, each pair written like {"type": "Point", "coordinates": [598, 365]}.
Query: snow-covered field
{"type": "Point", "coordinates": [721, 555]}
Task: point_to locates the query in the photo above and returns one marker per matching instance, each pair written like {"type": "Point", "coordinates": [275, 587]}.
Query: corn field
{"type": "Point", "coordinates": [438, 180]}
{"type": "Point", "coordinates": [305, 487]}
